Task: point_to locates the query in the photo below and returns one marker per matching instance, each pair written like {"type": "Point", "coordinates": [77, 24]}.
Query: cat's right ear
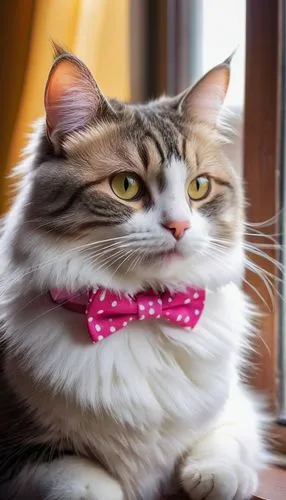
{"type": "Point", "coordinates": [73, 99]}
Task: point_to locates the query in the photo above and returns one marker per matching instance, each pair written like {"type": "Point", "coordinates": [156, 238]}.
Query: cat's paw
{"type": "Point", "coordinates": [212, 479]}
{"type": "Point", "coordinates": [111, 491]}
{"type": "Point", "coordinates": [69, 478]}
{"type": "Point", "coordinates": [92, 488]}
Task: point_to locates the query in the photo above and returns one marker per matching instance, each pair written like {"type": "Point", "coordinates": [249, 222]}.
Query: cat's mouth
{"type": "Point", "coordinates": [165, 256]}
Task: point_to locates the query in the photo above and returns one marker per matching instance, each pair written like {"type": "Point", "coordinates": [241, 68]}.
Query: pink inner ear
{"type": "Point", "coordinates": [204, 101]}
{"type": "Point", "coordinates": [71, 98]}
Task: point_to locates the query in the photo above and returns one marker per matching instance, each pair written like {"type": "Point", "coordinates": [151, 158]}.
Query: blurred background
{"type": "Point", "coordinates": [139, 49]}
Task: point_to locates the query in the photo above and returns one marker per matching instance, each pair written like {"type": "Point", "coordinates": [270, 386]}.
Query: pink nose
{"type": "Point", "coordinates": [177, 227]}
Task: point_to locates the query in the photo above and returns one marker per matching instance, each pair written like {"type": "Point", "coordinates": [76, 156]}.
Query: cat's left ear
{"type": "Point", "coordinates": [203, 102]}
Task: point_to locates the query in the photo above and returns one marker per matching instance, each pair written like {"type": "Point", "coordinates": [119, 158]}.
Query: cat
{"type": "Point", "coordinates": [127, 198]}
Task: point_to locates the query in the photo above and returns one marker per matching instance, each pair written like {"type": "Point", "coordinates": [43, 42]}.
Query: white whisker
{"type": "Point", "coordinates": [214, 255]}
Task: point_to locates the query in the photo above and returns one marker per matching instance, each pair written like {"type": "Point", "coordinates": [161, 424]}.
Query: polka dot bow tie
{"type": "Point", "coordinates": [106, 312]}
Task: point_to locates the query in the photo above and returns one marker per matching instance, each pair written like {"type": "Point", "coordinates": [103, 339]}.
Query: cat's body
{"type": "Point", "coordinates": [152, 406]}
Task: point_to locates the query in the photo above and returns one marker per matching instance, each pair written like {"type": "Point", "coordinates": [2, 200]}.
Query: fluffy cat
{"type": "Point", "coordinates": [129, 198]}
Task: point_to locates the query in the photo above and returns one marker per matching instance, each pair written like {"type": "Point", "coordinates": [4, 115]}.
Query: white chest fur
{"type": "Point", "coordinates": [136, 398]}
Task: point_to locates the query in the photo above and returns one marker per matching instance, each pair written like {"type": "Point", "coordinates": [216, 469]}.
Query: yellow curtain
{"type": "Point", "coordinates": [97, 31]}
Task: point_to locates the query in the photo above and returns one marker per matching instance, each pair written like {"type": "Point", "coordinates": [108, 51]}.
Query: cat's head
{"type": "Point", "coordinates": [129, 196]}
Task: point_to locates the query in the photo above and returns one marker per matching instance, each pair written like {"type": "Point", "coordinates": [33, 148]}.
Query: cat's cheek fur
{"type": "Point", "coordinates": [198, 262]}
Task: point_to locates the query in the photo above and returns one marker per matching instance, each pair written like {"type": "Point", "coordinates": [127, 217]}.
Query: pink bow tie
{"type": "Point", "coordinates": [107, 312]}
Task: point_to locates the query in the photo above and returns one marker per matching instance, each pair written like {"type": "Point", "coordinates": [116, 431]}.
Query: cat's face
{"type": "Point", "coordinates": [137, 193]}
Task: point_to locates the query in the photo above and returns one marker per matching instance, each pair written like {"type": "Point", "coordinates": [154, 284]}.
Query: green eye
{"type": "Point", "coordinates": [126, 186]}
{"type": "Point", "coordinates": [199, 188]}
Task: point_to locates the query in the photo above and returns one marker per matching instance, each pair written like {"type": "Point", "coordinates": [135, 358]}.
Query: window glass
{"type": "Point", "coordinates": [223, 31]}
{"type": "Point", "coordinates": [218, 28]}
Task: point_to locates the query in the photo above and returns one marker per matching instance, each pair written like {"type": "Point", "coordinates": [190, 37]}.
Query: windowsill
{"type": "Point", "coordinates": [272, 485]}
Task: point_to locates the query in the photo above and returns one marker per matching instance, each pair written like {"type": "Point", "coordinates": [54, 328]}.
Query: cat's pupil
{"type": "Point", "coordinates": [126, 183]}
{"type": "Point", "coordinates": [198, 184]}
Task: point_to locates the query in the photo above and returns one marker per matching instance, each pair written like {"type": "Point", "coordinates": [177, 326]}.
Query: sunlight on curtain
{"type": "Point", "coordinates": [95, 30]}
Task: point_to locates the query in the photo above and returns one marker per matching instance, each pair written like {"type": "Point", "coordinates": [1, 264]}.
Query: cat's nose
{"type": "Point", "coordinates": [177, 227]}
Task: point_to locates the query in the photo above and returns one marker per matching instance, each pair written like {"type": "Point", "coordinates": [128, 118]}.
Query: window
{"type": "Point", "coordinates": [223, 31]}
{"type": "Point", "coordinates": [220, 31]}
{"type": "Point", "coordinates": [221, 26]}
{"type": "Point", "coordinates": [184, 38]}
{"type": "Point", "coordinates": [263, 172]}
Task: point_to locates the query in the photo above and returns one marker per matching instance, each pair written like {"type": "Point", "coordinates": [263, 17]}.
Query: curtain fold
{"type": "Point", "coordinates": [95, 30]}
{"type": "Point", "coordinates": [15, 34]}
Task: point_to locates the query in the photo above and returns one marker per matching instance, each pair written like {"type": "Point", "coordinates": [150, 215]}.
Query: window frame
{"type": "Point", "coordinates": [262, 163]}
{"type": "Point", "coordinates": [282, 220]}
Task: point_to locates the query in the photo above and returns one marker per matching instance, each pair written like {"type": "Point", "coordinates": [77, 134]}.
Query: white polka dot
{"type": "Point", "coordinates": [187, 301]}
{"type": "Point", "coordinates": [170, 299]}
{"type": "Point", "coordinates": [110, 319]}
{"type": "Point", "coordinates": [100, 337]}
{"type": "Point", "coordinates": [197, 312]}
{"type": "Point", "coordinates": [102, 297]}
{"type": "Point", "coordinates": [98, 328]}
{"type": "Point", "coordinates": [196, 295]}
{"type": "Point", "coordinates": [159, 301]}
{"type": "Point", "coordinates": [125, 323]}
{"type": "Point", "coordinates": [85, 311]}
{"type": "Point", "coordinates": [179, 317]}
{"type": "Point", "coordinates": [142, 317]}
{"type": "Point", "coordinates": [188, 328]}
{"type": "Point", "coordinates": [112, 329]}
{"type": "Point", "coordinates": [167, 313]}
{"type": "Point", "coordinates": [130, 319]}
{"type": "Point", "coordinates": [141, 307]}
{"type": "Point", "coordinates": [90, 319]}
{"type": "Point", "coordinates": [100, 311]}
{"type": "Point", "coordinates": [114, 303]}
{"type": "Point", "coordinates": [187, 319]}
{"type": "Point", "coordinates": [150, 302]}
{"type": "Point", "coordinates": [89, 300]}
{"type": "Point", "coordinates": [151, 311]}
{"type": "Point", "coordinates": [158, 317]}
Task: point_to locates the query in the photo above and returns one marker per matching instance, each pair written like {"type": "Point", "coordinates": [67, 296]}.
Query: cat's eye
{"type": "Point", "coordinates": [126, 186]}
{"type": "Point", "coordinates": [199, 188]}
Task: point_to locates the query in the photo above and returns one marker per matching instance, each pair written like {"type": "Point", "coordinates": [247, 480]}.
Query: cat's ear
{"type": "Point", "coordinates": [203, 102]}
{"type": "Point", "coordinates": [58, 49]}
{"type": "Point", "coordinates": [73, 99]}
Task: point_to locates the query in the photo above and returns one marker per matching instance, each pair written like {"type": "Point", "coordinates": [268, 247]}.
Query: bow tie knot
{"type": "Point", "coordinates": [107, 312]}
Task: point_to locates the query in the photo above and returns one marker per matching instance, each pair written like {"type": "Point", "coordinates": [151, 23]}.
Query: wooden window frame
{"type": "Point", "coordinates": [262, 161]}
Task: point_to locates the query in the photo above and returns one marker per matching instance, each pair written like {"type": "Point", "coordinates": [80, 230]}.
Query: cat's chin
{"type": "Point", "coordinates": [164, 257]}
